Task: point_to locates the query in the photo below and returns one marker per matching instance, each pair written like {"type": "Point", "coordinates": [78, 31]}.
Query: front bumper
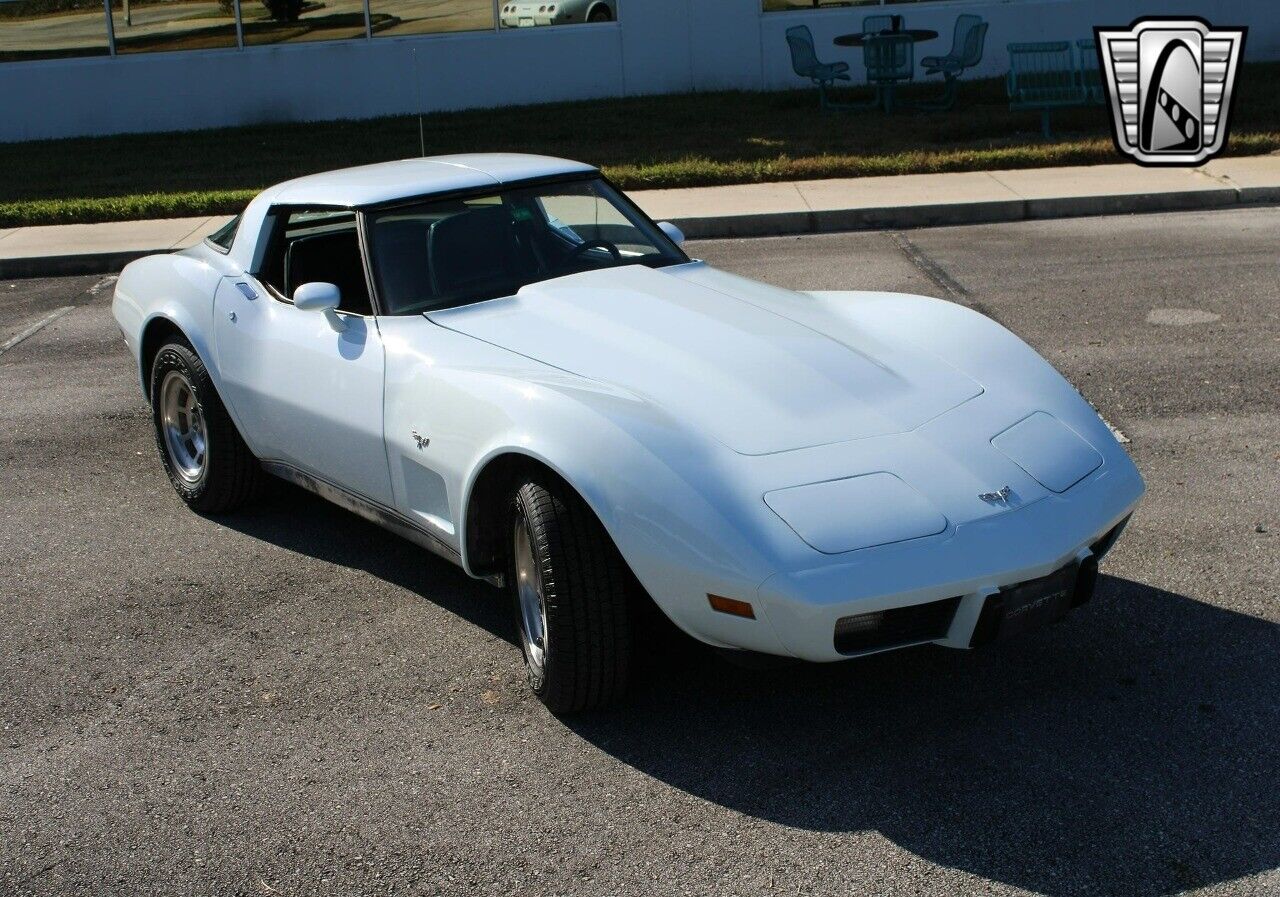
{"type": "Point", "coordinates": [971, 563]}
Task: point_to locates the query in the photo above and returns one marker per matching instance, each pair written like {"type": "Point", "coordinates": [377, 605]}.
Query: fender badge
{"type": "Point", "coordinates": [999, 497]}
{"type": "Point", "coordinates": [421, 440]}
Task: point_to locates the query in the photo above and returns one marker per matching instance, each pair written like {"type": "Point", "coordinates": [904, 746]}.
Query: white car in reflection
{"type": "Point", "coordinates": [501, 358]}
{"type": "Point", "coordinates": [523, 14]}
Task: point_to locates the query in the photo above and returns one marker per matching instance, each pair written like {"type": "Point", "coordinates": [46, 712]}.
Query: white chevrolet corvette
{"type": "Point", "coordinates": [503, 359]}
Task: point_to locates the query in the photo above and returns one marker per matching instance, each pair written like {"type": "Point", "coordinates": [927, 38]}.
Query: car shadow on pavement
{"type": "Point", "coordinates": [1132, 749]}
{"type": "Point", "coordinates": [302, 523]}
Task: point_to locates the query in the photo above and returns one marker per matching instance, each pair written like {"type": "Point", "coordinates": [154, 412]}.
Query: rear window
{"type": "Point", "coordinates": [224, 236]}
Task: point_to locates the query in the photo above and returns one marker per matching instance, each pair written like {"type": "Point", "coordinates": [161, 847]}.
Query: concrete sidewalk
{"type": "Point", "coordinates": [797, 207]}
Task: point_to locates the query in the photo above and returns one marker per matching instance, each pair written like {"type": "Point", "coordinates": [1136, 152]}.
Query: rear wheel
{"type": "Point", "coordinates": [569, 586]}
{"type": "Point", "coordinates": [206, 460]}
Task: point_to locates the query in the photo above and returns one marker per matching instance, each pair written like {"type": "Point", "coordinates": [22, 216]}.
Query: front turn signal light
{"type": "Point", "coordinates": [731, 606]}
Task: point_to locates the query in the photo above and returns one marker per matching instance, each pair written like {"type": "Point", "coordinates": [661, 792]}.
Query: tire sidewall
{"type": "Point", "coordinates": [520, 516]}
{"type": "Point", "coordinates": [176, 357]}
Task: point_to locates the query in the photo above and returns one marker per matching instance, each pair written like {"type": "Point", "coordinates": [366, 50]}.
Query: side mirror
{"type": "Point", "coordinates": [322, 297]}
{"type": "Point", "coordinates": [674, 234]}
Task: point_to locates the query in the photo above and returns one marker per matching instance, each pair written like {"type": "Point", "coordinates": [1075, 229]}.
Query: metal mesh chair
{"type": "Point", "coordinates": [876, 24]}
{"type": "Point", "coordinates": [889, 58]}
{"type": "Point", "coordinates": [967, 44]}
{"type": "Point", "coordinates": [805, 63]}
{"type": "Point", "coordinates": [966, 48]}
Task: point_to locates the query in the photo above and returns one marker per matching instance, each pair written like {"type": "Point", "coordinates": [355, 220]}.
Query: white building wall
{"type": "Point", "coordinates": [658, 46]}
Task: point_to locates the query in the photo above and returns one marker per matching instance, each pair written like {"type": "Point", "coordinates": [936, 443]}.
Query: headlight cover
{"type": "Point", "coordinates": [856, 512]}
{"type": "Point", "coordinates": [1052, 453]}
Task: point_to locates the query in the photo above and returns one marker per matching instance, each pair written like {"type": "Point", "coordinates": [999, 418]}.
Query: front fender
{"type": "Point", "coordinates": [663, 494]}
{"type": "Point", "coordinates": [177, 289]}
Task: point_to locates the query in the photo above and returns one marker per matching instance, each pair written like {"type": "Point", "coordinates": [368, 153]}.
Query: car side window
{"type": "Point", "coordinates": [319, 245]}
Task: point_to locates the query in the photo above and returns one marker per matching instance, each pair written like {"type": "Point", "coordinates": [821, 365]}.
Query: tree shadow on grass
{"type": "Point", "coordinates": [1131, 749]}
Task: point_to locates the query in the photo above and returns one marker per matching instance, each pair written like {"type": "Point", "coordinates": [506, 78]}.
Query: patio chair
{"type": "Point", "coordinates": [1090, 73]}
{"type": "Point", "coordinates": [805, 62]}
{"type": "Point", "coordinates": [967, 43]}
{"type": "Point", "coordinates": [876, 24]}
{"type": "Point", "coordinates": [890, 58]}
{"type": "Point", "coordinates": [1043, 76]}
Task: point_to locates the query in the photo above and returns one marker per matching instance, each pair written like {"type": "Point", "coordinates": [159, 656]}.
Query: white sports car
{"type": "Point", "coordinates": [503, 359]}
{"type": "Point", "coordinates": [527, 13]}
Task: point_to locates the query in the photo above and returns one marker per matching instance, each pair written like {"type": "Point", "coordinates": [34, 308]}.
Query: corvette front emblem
{"type": "Point", "coordinates": [1170, 81]}
{"type": "Point", "coordinates": [999, 497]}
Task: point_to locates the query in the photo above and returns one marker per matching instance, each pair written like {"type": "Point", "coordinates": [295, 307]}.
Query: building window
{"type": "Point", "coordinates": [398, 17]}
{"type": "Point", "coordinates": [52, 29]}
{"type": "Point", "coordinates": [149, 27]}
{"type": "Point", "coordinates": [300, 21]}
{"type": "Point", "coordinates": [797, 5]}
{"type": "Point", "coordinates": [533, 13]}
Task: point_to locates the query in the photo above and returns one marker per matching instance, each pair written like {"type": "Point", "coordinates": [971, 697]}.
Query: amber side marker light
{"type": "Point", "coordinates": [731, 606]}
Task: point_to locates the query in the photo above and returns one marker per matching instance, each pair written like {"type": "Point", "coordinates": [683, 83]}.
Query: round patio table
{"type": "Point", "coordinates": [857, 40]}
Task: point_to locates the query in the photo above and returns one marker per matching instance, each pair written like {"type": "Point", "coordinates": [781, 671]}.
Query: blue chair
{"type": "Point", "coordinates": [876, 24]}
{"type": "Point", "coordinates": [890, 59]}
{"type": "Point", "coordinates": [805, 62]}
{"type": "Point", "coordinates": [967, 43]}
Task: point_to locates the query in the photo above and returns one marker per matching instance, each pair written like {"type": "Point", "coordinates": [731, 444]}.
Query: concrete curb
{"type": "Point", "coordinates": [961, 213]}
{"type": "Point", "coordinates": [812, 222]}
{"type": "Point", "coordinates": [65, 265]}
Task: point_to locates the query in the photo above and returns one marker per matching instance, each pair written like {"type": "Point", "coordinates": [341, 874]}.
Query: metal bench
{"type": "Point", "coordinates": [1044, 76]}
{"type": "Point", "coordinates": [1090, 73]}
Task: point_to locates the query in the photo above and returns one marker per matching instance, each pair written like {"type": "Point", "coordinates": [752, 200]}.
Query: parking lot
{"type": "Point", "coordinates": [289, 700]}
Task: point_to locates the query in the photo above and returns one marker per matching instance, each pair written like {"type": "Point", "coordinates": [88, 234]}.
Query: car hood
{"type": "Point", "coordinates": [760, 369]}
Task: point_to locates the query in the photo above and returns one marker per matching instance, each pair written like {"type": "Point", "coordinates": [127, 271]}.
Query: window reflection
{"type": "Point", "coordinates": [299, 21]}
{"type": "Point", "coordinates": [793, 5]}
{"type": "Point", "coordinates": [173, 25]}
{"type": "Point", "coordinates": [396, 17]}
{"type": "Point", "coordinates": [532, 13]}
{"type": "Point", "coordinates": [49, 29]}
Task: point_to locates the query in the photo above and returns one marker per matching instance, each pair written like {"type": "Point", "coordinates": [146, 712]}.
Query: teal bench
{"type": "Point", "coordinates": [1046, 75]}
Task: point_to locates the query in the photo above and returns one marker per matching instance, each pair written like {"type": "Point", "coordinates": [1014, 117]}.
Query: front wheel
{"type": "Point", "coordinates": [600, 14]}
{"type": "Point", "coordinates": [570, 590]}
{"type": "Point", "coordinates": [206, 460]}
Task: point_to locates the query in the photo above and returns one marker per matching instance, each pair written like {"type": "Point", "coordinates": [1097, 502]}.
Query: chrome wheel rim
{"type": "Point", "coordinates": [183, 425]}
{"type": "Point", "coordinates": [533, 608]}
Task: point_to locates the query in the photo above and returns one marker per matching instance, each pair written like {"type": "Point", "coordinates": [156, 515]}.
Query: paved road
{"type": "Point", "coordinates": [291, 701]}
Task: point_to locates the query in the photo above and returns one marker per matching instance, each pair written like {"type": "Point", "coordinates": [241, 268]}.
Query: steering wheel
{"type": "Point", "coordinates": [597, 244]}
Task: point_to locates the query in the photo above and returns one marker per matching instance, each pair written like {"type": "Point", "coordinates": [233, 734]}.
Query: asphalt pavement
{"type": "Point", "coordinates": [291, 701]}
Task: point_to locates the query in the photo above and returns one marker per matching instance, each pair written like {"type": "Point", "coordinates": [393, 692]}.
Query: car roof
{"type": "Point", "coordinates": [369, 185]}
{"type": "Point", "coordinates": [372, 185]}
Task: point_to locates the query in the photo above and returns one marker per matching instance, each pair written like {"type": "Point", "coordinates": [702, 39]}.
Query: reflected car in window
{"type": "Point", "coordinates": [525, 14]}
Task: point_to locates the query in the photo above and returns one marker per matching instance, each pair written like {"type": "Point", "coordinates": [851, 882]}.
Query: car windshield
{"type": "Point", "coordinates": [442, 253]}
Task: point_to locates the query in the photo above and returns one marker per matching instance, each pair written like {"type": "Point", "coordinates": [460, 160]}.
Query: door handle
{"type": "Point", "coordinates": [246, 290]}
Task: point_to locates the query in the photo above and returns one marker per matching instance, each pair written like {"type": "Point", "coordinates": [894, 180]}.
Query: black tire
{"type": "Point", "coordinates": [230, 473]}
{"type": "Point", "coordinates": [585, 587]}
{"type": "Point", "coordinates": [600, 14]}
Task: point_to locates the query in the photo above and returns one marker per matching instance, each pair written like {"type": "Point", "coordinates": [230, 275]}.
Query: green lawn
{"type": "Point", "coordinates": [642, 142]}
